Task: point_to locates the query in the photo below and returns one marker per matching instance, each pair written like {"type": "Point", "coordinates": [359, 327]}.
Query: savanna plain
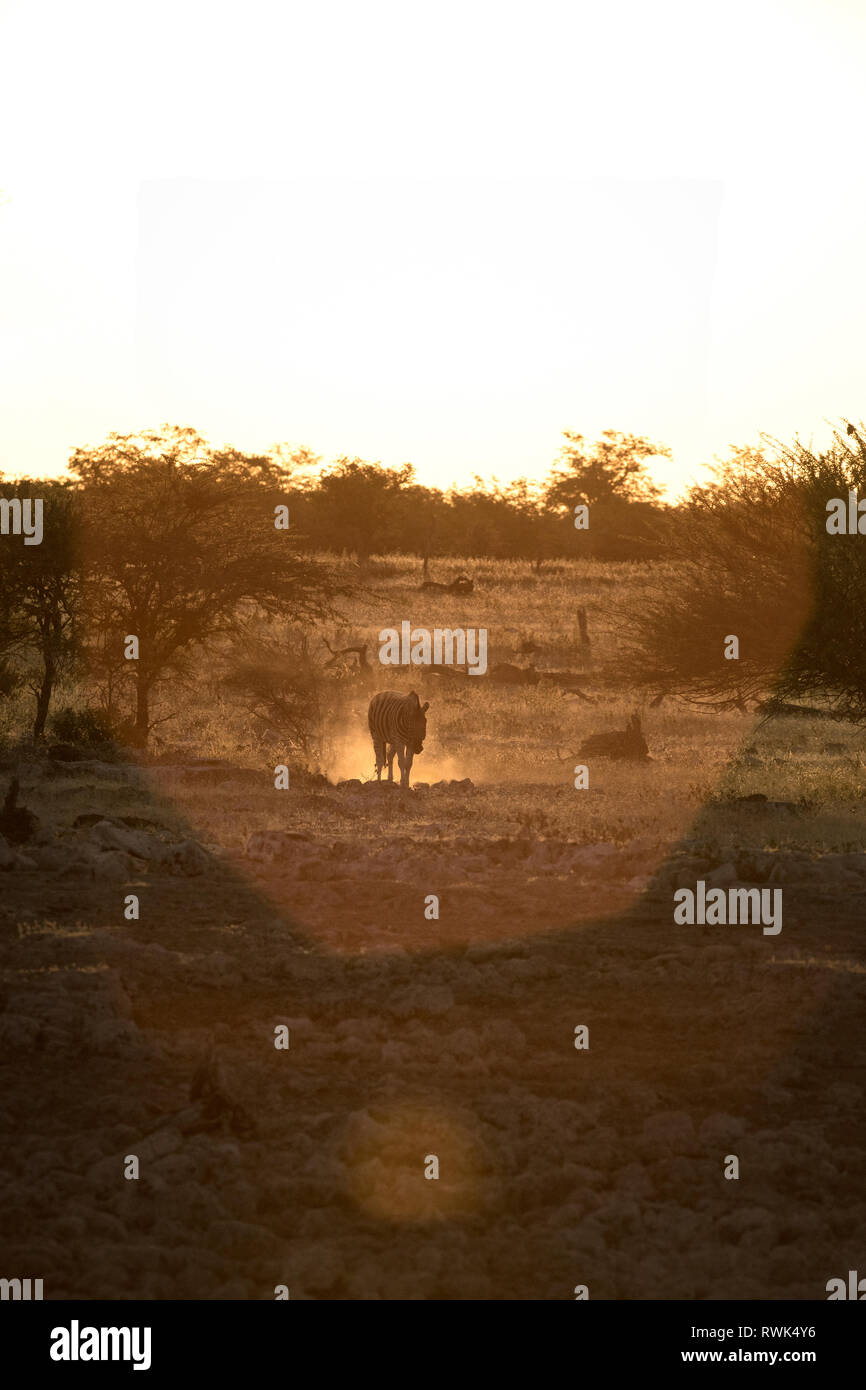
{"type": "Point", "coordinates": [580, 1066]}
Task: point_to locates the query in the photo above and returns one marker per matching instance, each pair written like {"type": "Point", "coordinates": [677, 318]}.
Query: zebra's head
{"type": "Point", "coordinates": [418, 719]}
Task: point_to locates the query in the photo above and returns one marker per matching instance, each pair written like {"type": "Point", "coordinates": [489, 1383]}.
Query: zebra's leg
{"type": "Point", "coordinates": [392, 749]}
{"type": "Point", "coordinates": [379, 752]}
{"type": "Point", "coordinates": [406, 767]}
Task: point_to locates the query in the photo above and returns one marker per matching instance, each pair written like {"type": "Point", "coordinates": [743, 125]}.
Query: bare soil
{"type": "Point", "coordinates": [412, 1037]}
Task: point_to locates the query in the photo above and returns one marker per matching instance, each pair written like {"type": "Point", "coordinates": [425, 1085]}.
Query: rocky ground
{"type": "Point", "coordinates": [412, 1036]}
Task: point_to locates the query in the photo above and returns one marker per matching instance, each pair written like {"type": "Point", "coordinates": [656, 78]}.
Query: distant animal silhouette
{"type": "Point", "coordinates": [461, 585]}
{"type": "Point", "coordinates": [568, 683]}
{"type": "Point", "coordinates": [17, 824]}
{"type": "Point", "coordinates": [398, 724]}
{"type": "Point", "coordinates": [362, 672]}
{"type": "Point", "coordinates": [627, 743]}
{"type": "Point", "coordinates": [507, 674]}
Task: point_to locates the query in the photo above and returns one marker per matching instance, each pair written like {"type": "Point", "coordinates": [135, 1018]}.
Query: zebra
{"type": "Point", "coordinates": [398, 725]}
{"type": "Point", "coordinates": [619, 743]}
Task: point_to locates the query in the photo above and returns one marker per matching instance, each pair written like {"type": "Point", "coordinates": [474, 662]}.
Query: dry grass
{"type": "Point", "coordinates": [519, 744]}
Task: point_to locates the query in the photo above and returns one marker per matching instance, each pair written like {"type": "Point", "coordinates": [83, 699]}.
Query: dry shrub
{"type": "Point", "coordinates": [280, 683]}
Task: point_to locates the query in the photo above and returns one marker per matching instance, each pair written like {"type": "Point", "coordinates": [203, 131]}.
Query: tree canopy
{"type": "Point", "coordinates": [177, 539]}
{"type": "Point", "coordinates": [751, 556]}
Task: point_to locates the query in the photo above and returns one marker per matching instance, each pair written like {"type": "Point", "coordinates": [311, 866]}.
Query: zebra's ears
{"type": "Point", "coordinates": [413, 695]}
{"type": "Point", "coordinates": [425, 707]}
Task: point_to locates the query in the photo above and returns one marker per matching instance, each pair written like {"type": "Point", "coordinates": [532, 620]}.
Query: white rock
{"type": "Point", "coordinates": [113, 863]}
{"type": "Point", "coordinates": [123, 838]}
{"type": "Point", "coordinates": [274, 844]}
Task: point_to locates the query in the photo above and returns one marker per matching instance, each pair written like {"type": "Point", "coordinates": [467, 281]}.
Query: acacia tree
{"type": "Point", "coordinates": [615, 467]}
{"type": "Point", "coordinates": [358, 506]}
{"type": "Point", "coordinates": [423, 522]}
{"type": "Point", "coordinates": [39, 595]}
{"type": "Point", "coordinates": [506, 520]}
{"type": "Point", "coordinates": [750, 556]}
{"type": "Point", "coordinates": [612, 478]}
{"type": "Point", "coordinates": [530, 532]}
{"type": "Point", "coordinates": [179, 547]}
{"type": "Point", "coordinates": [475, 519]}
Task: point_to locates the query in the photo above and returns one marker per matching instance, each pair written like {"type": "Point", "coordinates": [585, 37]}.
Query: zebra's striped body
{"type": "Point", "coordinates": [398, 725]}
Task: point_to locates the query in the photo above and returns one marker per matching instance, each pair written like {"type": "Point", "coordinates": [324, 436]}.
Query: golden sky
{"type": "Point", "coordinates": [439, 235]}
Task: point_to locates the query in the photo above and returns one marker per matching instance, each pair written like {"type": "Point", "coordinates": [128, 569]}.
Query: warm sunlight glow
{"type": "Point", "coordinates": [348, 228]}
